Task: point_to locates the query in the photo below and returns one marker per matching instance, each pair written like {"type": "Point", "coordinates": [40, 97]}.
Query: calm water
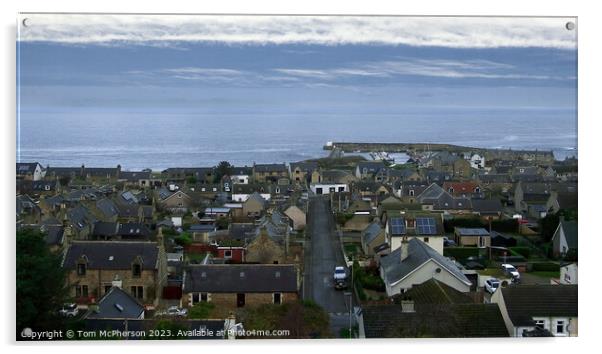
{"type": "Point", "coordinates": [160, 140]}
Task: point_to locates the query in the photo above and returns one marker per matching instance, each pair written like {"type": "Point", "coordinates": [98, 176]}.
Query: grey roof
{"type": "Point", "coordinates": [370, 166]}
{"type": "Point", "coordinates": [442, 320]}
{"type": "Point", "coordinates": [256, 197]}
{"type": "Point", "coordinates": [334, 175]}
{"type": "Point", "coordinates": [54, 235]}
{"type": "Point", "coordinates": [105, 229]}
{"type": "Point", "coordinates": [80, 216]}
{"type": "Point", "coordinates": [487, 206]}
{"type": "Point", "coordinates": [25, 204]}
{"type": "Point", "coordinates": [189, 171]}
{"type": "Point", "coordinates": [128, 211]}
{"type": "Point", "coordinates": [107, 207]}
{"type": "Point", "coordinates": [240, 278]}
{"type": "Point", "coordinates": [112, 255]}
{"type": "Point", "coordinates": [471, 231]}
{"type": "Point", "coordinates": [117, 304]}
{"type": "Point", "coordinates": [524, 302]}
{"type": "Point", "coordinates": [418, 253]}
{"type": "Point", "coordinates": [570, 233]}
{"type": "Point", "coordinates": [133, 229]}
{"type": "Point", "coordinates": [273, 167]}
{"type": "Point", "coordinates": [306, 166]}
{"type": "Point", "coordinates": [129, 197]}
{"type": "Point", "coordinates": [134, 175]}
{"type": "Point", "coordinates": [371, 232]}
{"type": "Point", "coordinates": [43, 185]}
{"type": "Point", "coordinates": [26, 167]}
{"type": "Point", "coordinates": [245, 170]}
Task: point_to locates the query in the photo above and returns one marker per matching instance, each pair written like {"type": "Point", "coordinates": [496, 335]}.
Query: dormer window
{"type": "Point", "coordinates": [451, 190]}
{"type": "Point", "coordinates": [411, 192]}
{"type": "Point", "coordinates": [477, 190]}
{"type": "Point", "coordinates": [81, 269]}
{"type": "Point", "coordinates": [136, 270]}
{"type": "Point", "coordinates": [410, 223]}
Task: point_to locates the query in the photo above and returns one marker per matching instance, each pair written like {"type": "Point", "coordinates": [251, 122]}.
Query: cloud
{"type": "Point", "coordinates": [168, 30]}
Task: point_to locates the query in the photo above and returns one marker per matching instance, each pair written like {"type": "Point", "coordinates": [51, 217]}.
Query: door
{"type": "Point", "coordinates": [240, 300]}
{"type": "Point", "coordinates": [318, 190]}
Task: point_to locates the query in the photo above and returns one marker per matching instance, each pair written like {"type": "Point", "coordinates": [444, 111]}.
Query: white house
{"type": "Point", "coordinates": [477, 161]}
{"type": "Point", "coordinates": [242, 197]}
{"type": "Point", "coordinates": [568, 274]}
{"type": "Point", "coordinates": [30, 171]}
{"type": "Point", "coordinates": [426, 228]}
{"type": "Point", "coordinates": [327, 188]}
{"type": "Point", "coordinates": [551, 309]}
{"type": "Point", "coordinates": [414, 263]}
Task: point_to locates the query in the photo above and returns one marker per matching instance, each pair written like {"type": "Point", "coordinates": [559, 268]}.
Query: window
{"type": "Point", "coordinates": [204, 297]}
{"type": "Point", "coordinates": [137, 292]}
{"type": "Point", "coordinates": [107, 288]}
{"type": "Point", "coordinates": [228, 254]}
{"type": "Point", "coordinates": [277, 298]}
{"type": "Point", "coordinates": [81, 269]}
{"type": "Point", "coordinates": [179, 195]}
{"type": "Point", "coordinates": [426, 240]}
{"type": "Point", "coordinates": [195, 298]}
{"type": "Point", "coordinates": [560, 327]}
{"type": "Point", "coordinates": [540, 324]}
{"type": "Point", "coordinates": [136, 270]}
{"type": "Point", "coordinates": [411, 192]}
{"type": "Point", "coordinates": [81, 291]}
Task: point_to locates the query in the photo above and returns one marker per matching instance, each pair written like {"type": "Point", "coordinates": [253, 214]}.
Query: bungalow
{"type": "Point", "coordinates": [551, 309]}
{"type": "Point", "coordinates": [435, 197]}
{"type": "Point", "coordinates": [414, 263]}
{"type": "Point", "coordinates": [238, 285]}
{"type": "Point", "coordinates": [487, 208]}
{"type": "Point", "coordinates": [478, 237]}
{"type": "Point", "coordinates": [432, 309]}
{"type": "Point", "coordinates": [565, 238]}
{"type": "Point", "coordinates": [178, 200]}
{"type": "Point", "coordinates": [328, 188]}
{"type": "Point", "coordinates": [241, 192]}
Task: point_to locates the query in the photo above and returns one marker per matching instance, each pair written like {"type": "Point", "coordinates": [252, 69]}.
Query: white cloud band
{"type": "Point", "coordinates": [455, 32]}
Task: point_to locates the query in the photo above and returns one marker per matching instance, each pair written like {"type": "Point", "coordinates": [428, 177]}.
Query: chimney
{"type": "Point", "coordinates": [116, 282]}
{"type": "Point", "coordinates": [407, 305]}
{"type": "Point", "coordinates": [81, 170]}
{"type": "Point", "coordinates": [404, 248]}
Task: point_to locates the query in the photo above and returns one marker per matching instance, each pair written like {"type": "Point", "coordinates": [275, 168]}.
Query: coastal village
{"type": "Point", "coordinates": [458, 242]}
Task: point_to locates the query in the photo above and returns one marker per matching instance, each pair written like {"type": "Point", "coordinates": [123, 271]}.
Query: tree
{"type": "Point", "coordinates": [222, 169]}
{"type": "Point", "coordinates": [41, 288]}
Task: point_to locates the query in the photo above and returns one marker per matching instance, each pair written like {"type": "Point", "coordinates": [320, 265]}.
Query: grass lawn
{"type": "Point", "coordinates": [549, 274]}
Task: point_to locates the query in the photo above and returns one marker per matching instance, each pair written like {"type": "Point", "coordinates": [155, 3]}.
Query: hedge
{"type": "Point", "coordinates": [545, 267]}
{"type": "Point", "coordinates": [460, 252]}
{"type": "Point", "coordinates": [509, 225]}
{"type": "Point", "coordinates": [521, 251]}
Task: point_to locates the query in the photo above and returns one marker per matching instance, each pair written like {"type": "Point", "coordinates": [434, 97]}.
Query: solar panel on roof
{"type": "Point", "coordinates": [398, 226]}
{"type": "Point", "coordinates": [426, 226]}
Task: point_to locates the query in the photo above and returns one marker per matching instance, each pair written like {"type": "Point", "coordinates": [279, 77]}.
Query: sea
{"type": "Point", "coordinates": [157, 140]}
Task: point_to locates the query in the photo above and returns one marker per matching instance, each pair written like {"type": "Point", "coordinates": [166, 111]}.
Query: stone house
{"type": "Point", "coordinates": [296, 216]}
{"type": "Point", "coordinates": [269, 172]}
{"type": "Point", "coordinates": [265, 250]}
{"type": "Point", "coordinates": [254, 206]}
{"type": "Point", "coordinates": [301, 172]}
{"type": "Point", "coordinates": [93, 266]}
{"type": "Point", "coordinates": [238, 285]}
{"type": "Point", "coordinates": [178, 200]}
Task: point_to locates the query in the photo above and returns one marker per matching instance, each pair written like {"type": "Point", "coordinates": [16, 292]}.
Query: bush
{"type": "Point", "coordinates": [545, 267]}
{"type": "Point", "coordinates": [201, 310]}
{"type": "Point", "coordinates": [521, 251]}
{"type": "Point", "coordinates": [184, 239]}
{"type": "Point", "coordinates": [460, 253]}
{"type": "Point", "coordinates": [510, 225]}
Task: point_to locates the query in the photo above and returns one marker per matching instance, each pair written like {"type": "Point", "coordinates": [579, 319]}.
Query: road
{"type": "Point", "coordinates": [322, 254]}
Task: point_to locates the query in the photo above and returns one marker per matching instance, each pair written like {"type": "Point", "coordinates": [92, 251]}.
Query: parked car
{"type": "Point", "coordinates": [174, 311]}
{"type": "Point", "coordinates": [340, 284]}
{"type": "Point", "coordinates": [491, 285]}
{"type": "Point", "coordinates": [339, 273]}
{"type": "Point", "coordinates": [69, 310]}
{"type": "Point", "coordinates": [511, 271]}
{"type": "Point", "coordinates": [448, 243]}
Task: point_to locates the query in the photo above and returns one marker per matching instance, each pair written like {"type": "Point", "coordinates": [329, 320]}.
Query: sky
{"type": "Point", "coordinates": [300, 65]}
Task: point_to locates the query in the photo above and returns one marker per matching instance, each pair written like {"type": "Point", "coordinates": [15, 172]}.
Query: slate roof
{"type": "Point", "coordinates": [117, 304]}
{"type": "Point", "coordinates": [418, 253]}
{"type": "Point", "coordinates": [107, 207]}
{"type": "Point", "coordinates": [134, 176]}
{"type": "Point", "coordinates": [274, 167]}
{"type": "Point", "coordinates": [441, 321]}
{"type": "Point", "coordinates": [305, 166]}
{"type": "Point", "coordinates": [524, 302]}
{"type": "Point", "coordinates": [112, 255]}
{"type": "Point", "coordinates": [245, 170]}
{"type": "Point", "coordinates": [570, 233]}
{"type": "Point", "coordinates": [487, 206]}
{"type": "Point", "coordinates": [435, 292]}
{"type": "Point", "coordinates": [240, 278]}
{"type": "Point", "coordinates": [105, 229]}
{"type": "Point", "coordinates": [371, 167]}
{"type": "Point", "coordinates": [471, 231]}
{"type": "Point", "coordinates": [25, 204]}
{"type": "Point", "coordinates": [26, 167]}
{"type": "Point", "coordinates": [80, 216]}
{"type": "Point", "coordinates": [54, 235]}
{"type": "Point", "coordinates": [133, 229]}
{"type": "Point", "coordinates": [371, 232]}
